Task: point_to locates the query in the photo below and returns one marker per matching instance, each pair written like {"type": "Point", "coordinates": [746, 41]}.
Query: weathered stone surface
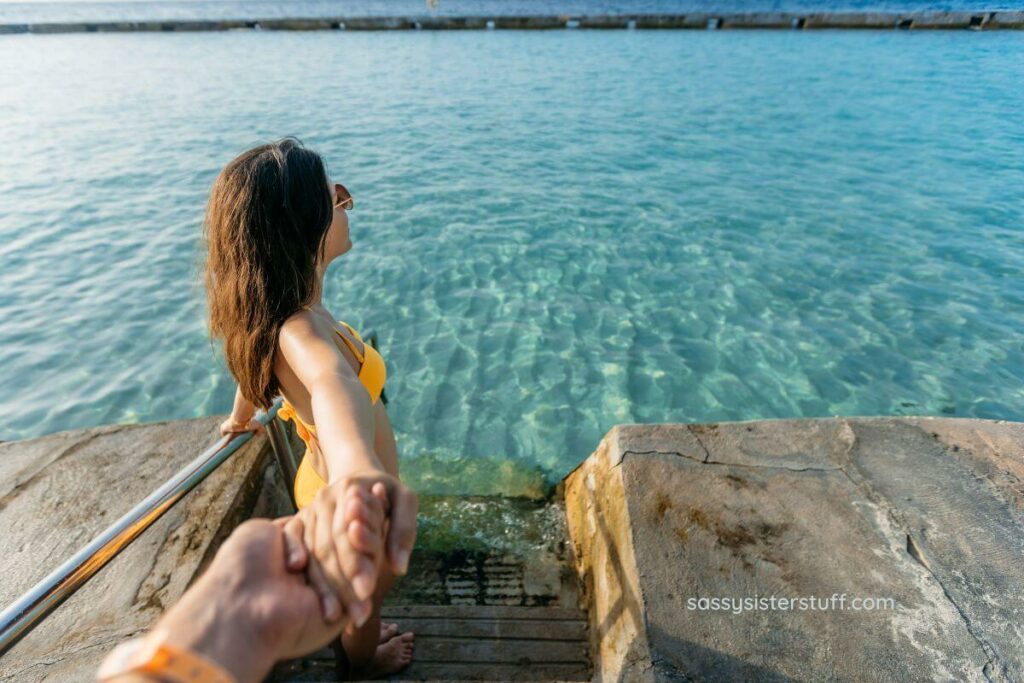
{"type": "Point", "coordinates": [529, 22]}
{"type": "Point", "coordinates": [928, 513]}
{"type": "Point", "coordinates": [873, 20]}
{"type": "Point", "coordinates": [664, 21]}
{"type": "Point", "coordinates": [1006, 20]}
{"type": "Point", "coordinates": [596, 512]}
{"type": "Point", "coordinates": [945, 20]}
{"type": "Point", "coordinates": [57, 492]}
{"type": "Point", "coordinates": [605, 22]}
{"type": "Point", "coordinates": [297, 24]}
{"type": "Point", "coordinates": [758, 20]}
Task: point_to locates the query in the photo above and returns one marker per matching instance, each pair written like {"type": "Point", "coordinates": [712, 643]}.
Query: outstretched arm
{"type": "Point", "coordinates": [341, 407]}
{"type": "Point", "coordinates": [349, 514]}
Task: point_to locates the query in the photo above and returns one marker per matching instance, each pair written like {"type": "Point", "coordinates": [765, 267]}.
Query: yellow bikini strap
{"type": "Point", "coordinates": [361, 357]}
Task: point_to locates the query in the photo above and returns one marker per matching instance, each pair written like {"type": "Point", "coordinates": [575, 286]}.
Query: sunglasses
{"type": "Point", "coordinates": [343, 198]}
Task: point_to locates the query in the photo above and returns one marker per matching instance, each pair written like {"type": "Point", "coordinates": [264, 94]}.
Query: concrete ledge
{"type": "Point", "coordinates": [1011, 20]}
{"type": "Point", "coordinates": [58, 491]}
{"type": "Point", "coordinates": [926, 512]}
{"type": "Point", "coordinates": [752, 20]}
{"type": "Point", "coordinates": [761, 20]}
{"type": "Point", "coordinates": [949, 20]}
{"type": "Point", "coordinates": [851, 20]}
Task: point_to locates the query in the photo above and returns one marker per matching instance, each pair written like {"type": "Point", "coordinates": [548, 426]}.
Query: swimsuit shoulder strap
{"type": "Point", "coordinates": [360, 355]}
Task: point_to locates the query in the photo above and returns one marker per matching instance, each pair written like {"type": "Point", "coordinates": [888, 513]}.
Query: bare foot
{"type": "Point", "coordinates": [387, 632]}
{"type": "Point", "coordinates": [390, 657]}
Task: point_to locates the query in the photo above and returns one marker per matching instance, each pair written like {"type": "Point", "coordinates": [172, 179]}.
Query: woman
{"type": "Point", "coordinates": [274, 223]}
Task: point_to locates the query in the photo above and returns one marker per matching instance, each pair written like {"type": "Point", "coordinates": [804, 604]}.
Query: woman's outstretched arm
{"type": "Point", "coordinates": [341, 407]}
{"type": "Point", "coordinates": [345, 425]}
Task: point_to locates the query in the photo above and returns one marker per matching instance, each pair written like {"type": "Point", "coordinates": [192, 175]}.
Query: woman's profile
{"type": "Point", "coordinates": [274, 222]}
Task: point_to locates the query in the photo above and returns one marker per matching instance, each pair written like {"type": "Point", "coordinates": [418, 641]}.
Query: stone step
{"type": "Point", "coordinates": [847, 549]}
{"type": "Point", "coordinates": [491, 596]}
{"type": "Point", "coordinates": [484, 612]}
{"type": "Point", "coordinates": [477, 643]}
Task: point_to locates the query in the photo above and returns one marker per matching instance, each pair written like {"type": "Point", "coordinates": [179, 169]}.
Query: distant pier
{"type": "Point", "coordinates": [977, 21]}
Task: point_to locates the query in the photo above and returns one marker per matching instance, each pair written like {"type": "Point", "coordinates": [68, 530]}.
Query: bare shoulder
{"type": "Point", "coordinates": [300, 324]}
{"type": "Point", "coordinates": [302, 339]}
{"type": "Point", "coordinates": [306, 346]}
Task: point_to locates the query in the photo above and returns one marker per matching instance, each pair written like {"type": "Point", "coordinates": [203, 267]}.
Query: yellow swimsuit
{"type": "Point", "coordinates": [372, 374]}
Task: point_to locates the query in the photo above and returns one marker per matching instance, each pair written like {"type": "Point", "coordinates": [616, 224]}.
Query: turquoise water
{"type": "Point", "coordinates": [555, 232]}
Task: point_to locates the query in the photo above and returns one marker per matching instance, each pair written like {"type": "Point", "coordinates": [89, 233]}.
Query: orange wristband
{"type": "Point", "coordinates": [151, 655]}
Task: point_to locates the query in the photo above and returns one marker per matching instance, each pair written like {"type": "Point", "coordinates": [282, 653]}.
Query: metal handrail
{"type": "Point", "coordinates": [27, 611]}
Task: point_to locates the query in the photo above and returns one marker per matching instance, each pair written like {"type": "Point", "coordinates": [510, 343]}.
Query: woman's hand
{"type": "Point", "coordinates": [401, 506]}
{"type": "Point", "coordinates": [345, 538]}
{"type": "Point", "coordinates": [232, 426]}
{"type": "Point", "coordinates": [241, 417]}
{"type": "Point", "coordinates": [339, 539]}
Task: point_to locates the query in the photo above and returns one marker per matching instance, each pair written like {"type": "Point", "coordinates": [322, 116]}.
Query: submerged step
{"type": "Point", "coordinates": [489, 550]}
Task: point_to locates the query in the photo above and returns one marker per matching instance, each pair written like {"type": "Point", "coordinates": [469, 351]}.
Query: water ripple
{"type": "Point", "coordinates": [556, 232]}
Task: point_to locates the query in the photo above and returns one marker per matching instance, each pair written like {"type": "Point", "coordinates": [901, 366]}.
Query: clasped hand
{"type": "Point", "coordinates": [356, 529]}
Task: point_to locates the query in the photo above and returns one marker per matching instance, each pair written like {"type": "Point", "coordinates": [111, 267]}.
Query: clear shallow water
{"type": "Point", "coordinates": [126, 10]}
{"type": "Point", "coordinates": [556, 232]}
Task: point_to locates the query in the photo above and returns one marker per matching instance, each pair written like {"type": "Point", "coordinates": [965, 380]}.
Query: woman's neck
{"type": "Point", "coordinates": [318, 290]}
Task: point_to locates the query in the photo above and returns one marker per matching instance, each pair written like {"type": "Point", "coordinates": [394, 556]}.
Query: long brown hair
{"type": "Point", "coordinates": [265, 228]}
